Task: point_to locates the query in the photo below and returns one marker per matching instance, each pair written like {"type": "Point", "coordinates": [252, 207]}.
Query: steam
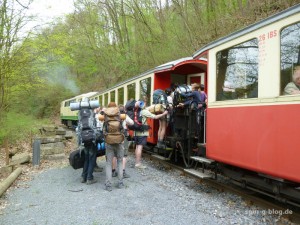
{"type": "Point", "coordinates": [61, 75]}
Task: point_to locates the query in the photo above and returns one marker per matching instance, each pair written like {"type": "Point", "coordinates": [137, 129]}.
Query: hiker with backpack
{"type": "Point", "coordinates": [164, 98]}
{"type": "Point", "coordinates": [114, 139]}
{"type": "Point", "coordinates": [126, 146]}
{"type": "Point", "coordinates": [137, 111]}
{"type": "Point", "coordinates": [87, 136]}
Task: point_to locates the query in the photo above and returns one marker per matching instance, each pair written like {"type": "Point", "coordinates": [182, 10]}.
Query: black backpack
{"type": "Point", "coordinates": [135, 115]}
{"type": "Point", "coordinates": [76, 159]}
{"type": "Point", "coordinates": [87, 125]}
{"type": "Point", "coordinates": [159, 97]}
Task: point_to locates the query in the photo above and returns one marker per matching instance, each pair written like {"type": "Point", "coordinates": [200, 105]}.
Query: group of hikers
{"type": "Point", "coordinates": [111, 126]}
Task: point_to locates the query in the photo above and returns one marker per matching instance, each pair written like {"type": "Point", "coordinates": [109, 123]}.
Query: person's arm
{"type": "Point", "coordinates": [161, 115]}
{"type": "Point", "coordinates": [148, 114]}
{"type": "Point", "coordinates": [128, 120]}
{"type": "Point", "coordinates": [291, 89]}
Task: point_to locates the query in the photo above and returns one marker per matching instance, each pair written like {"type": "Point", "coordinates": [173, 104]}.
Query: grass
{"type": "Point", "coordinates": [18, 127]}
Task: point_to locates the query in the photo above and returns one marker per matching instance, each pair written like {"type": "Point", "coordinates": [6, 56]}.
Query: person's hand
{"type": "Point", "coordinates": [165, 112]}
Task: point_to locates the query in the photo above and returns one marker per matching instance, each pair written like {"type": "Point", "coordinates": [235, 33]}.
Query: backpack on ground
{"type": "Point", "coordinates": [135, 115]}
{"type": "Point", "coordinates": [76, 159]}
{"type": "Point", "coordinates": [159, 97]}
{"type": "Point", "coordinates": [87, 125]}
{"type": "Point", "coordinates": [112, 127]}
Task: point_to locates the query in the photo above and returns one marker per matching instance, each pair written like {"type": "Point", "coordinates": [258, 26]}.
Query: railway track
{"type": "Point", "coordinates": [268, 205]}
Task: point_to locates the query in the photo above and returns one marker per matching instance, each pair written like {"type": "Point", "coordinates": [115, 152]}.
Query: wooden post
{"type": "Point", "coordinates": [4, 185]}
{"type": "Point", "coordinates": [6, 151]}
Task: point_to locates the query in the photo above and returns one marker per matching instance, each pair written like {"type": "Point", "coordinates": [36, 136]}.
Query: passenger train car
{"type": "Point", "coordinates": [249, 128]}
{"type": "Point", "coordinates": [68, 117]}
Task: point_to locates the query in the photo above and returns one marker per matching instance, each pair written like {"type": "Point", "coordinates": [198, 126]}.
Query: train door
{"type": "Point", "coordinates": [195, 78]}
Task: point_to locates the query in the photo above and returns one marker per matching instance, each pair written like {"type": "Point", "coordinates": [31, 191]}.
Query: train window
{"type": "Point", "coordinates": [113, 96]}
{"type": "Point", "coordinates": [105, 100]}
{"type": "Point", "coordinates": [121, 96]}
{"type": "Point", "coordinates": [131, 91]}
{"type": "Point", "coordinates": [100, 100]}
{"type": "Point", "coordinates": [145, 90]}
{"type": "Point", "coordinates": [237, 71]}
{"type": "Point", "coordinates": [290, 59]}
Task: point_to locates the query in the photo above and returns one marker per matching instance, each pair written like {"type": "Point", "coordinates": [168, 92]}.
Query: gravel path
{"type": "Point", "coordinates": [151, 196]}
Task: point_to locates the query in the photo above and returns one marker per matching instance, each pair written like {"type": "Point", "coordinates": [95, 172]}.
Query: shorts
{"type": "Point", "coordinates": [140, 140]}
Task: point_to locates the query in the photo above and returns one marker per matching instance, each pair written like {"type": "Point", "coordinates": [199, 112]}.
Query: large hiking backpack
{"type": "Point", "coordinates": [112, 127]}
{"type": "Point", "coordinates": [135, 115]}
{"type": "Point", "coordinates": [159, 97]}
{"type": "Point", "coordinates": [87, 125]}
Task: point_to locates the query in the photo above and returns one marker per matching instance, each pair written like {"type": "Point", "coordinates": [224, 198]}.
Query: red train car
{"type": "Point", "coordinates": [249, 130]}
{"type": "Point", "coordinates": [252, 121]}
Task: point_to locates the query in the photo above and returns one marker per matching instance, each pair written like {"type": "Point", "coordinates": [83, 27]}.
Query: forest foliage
{"type": "Point", "coordinates": [104, 42]}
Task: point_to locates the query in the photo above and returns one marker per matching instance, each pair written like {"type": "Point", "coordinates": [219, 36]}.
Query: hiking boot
{"type": "Point", "coordinates": [88, 182]}
{"type": "Point", "coordinates": [125, 175]}
{"type": "Point", "coordinates": [121, 185]}
{"type": "Point", "coordinates": [108, 187]}
{"type": "Point", "coordinates": [140, 166]}
{"type": "Point", "coordinates": [82, 180]}
{"type": "Point", "coordinates": [114, 174]}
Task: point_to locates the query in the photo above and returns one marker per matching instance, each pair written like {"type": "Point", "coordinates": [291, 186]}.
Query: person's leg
{"type": "Point", "coordinates": [114, 166]}
{"type": "Point", "coordinates": [91, 162]}
{"type": "Point", "coordinates": [85, 166]}
{"type": "Point", "coordinates": [119, 152]}
{"type": "Point", "coordinates": [138, 154]}
{"type": "Point", "coordinates": [126, 145]}
{"type": "Point", "coordinates": [161, 132]}
{"type": "Point", "coordinates": [108, 167]}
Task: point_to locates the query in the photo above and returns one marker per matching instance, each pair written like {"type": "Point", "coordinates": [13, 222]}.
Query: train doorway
{"type": "Point", "coordinates": [196, 78]}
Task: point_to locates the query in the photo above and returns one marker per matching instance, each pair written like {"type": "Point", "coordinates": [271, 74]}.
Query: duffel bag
{"type": "Point", "coordinates": [76, 159]}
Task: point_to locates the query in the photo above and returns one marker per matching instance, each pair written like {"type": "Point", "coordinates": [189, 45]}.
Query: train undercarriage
{"type": "Point", "coordinates": [185, 146]}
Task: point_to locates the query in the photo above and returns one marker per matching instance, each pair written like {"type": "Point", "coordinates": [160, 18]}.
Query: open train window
{"type": "Point", "coordinates": [131, 91]}
{"type": "Point", "coordinates": [237, 71]}
{"type": "Point", "coordinates": [121, 96]}
{"type": "Point", "coordinates": [113, 96]}
{"type": "Point", "coordinates": [289, 58]}
{"type": "Point", "coordinates": [100, 100]}
{"type": "Point", "coordinates": [106, 99]}
{"type": "Point", "coordinates": [145, 90]}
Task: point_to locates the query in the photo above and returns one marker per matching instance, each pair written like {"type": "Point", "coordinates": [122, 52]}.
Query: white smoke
{"type": "Point", "coordinates": [62, 75]}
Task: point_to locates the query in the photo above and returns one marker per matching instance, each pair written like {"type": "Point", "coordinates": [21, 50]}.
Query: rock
{"type": "Point", "coordinates": [20, 158]}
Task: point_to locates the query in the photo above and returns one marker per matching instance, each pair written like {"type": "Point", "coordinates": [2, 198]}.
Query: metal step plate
{"type": "Point", "coordinates": [198, 173]}
{"type": "Point", "coordinates": [203, 160]}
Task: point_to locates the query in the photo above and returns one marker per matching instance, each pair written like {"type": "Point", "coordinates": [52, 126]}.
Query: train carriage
{"type": "Point", "coordinates": [248, 131]}
{"type": "Point", "coordinates": [68, 117]}
{"type": "Point", "coordinates": [251, 124]}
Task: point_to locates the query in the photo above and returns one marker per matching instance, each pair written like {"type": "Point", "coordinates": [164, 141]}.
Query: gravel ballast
{"type": "Point", "coordinates": [151, 196]}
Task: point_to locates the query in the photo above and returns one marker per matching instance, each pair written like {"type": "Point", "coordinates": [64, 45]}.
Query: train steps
{"type": "Point", "coordinates": [198, 173]}
{"type": "Point", "coordinates": [202, 160]}
{"type": "Point", "coordinates": [201, 174]}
